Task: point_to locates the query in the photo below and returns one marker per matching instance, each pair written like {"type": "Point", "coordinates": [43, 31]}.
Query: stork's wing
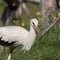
{"type": "Point", "coordinates": [5, 43]}
{"type": "Point", "coordinates": [10, 34]}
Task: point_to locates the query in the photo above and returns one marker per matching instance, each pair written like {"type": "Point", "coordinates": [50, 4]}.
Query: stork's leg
{"type": "Point", "coordinates": [5, 14]}
{"type": "Point", "coordinates": [10, 54]}
{"type": "Point", "coordinates": [11, 51]}
{"type": "Point", "coordinates": [25, 8]}
{"type": "Point", "coordinates": [10, 18]}
{"type": "Point", "coordinates": [9, 57]}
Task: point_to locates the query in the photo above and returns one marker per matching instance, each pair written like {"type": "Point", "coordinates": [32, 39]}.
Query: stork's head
{"type": "Point", "coordinates": [34, 24]}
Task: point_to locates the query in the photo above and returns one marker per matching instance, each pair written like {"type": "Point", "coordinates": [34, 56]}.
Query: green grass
{"type": "Point", "coordinates": [46, 48]}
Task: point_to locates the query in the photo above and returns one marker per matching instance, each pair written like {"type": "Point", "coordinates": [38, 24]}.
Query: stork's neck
{"type": "Point", "coordinates": [30, 39]}
{"type": "Point", "coordinates": [32, 33]}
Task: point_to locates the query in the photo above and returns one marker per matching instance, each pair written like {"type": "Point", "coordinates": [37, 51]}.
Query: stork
{"type": "Point", "coordinates": [14, 36]}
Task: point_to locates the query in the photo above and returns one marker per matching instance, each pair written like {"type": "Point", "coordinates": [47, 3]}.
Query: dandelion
{"type": "Point", "coordinates": [49, 11]}
{"type": "Point", "coordinates": [22, 24]}
{"type": "Point", "coordinates": [15, 21]}
{"type": "Point", "coordinates": [54, 17]}
{"type": "Point", "coordinates": [38, 13]}
{"type": "Point", "coordinates": [58, 13]}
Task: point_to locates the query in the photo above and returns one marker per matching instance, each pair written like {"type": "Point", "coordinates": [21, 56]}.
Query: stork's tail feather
{"type": "Point", "coordinates": [5, 43]}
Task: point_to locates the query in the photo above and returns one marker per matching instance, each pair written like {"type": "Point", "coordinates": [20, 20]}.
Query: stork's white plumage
{"type": "Point", "coordinates": [14, 36]}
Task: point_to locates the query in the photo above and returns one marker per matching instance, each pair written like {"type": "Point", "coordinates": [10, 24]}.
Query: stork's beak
{"type": "Point", "coordinates": [36, 30]}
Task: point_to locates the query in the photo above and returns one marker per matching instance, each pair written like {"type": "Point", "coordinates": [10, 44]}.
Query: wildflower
{"type": "Point", "coordinates": [54, 17]}
{"type": "Point", "coordinates": [22, 24]}
{"type": "Point", "coordinates": [15, 21]}
{"type": "Point", "coordinates": [58, 13]}
{"type": "Point", "coordinates": [38, 13]}
{"type": "Point", "coordinates": [49, 11]}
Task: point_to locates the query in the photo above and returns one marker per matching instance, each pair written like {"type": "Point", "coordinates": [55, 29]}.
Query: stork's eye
{"type": "Point", "coordinates": [33, 23]}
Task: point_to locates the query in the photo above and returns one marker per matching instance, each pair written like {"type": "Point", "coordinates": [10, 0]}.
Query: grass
{"type": "Point", "coordinates": [46, 48]}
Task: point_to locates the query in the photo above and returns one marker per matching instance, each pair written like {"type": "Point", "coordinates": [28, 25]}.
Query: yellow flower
{"type": "Point", "coordinates": [58, 13]}
{"type": "Point", "coordinates": [38, 13]}
{"type": "Point", "coordinates": [49, 11]}
{"type": "Point", "coordinates": [54, 17]}
{"type": "Point", "coordinates": [22, 24]}
{"type": "Point", "coordinates": [15, 21]}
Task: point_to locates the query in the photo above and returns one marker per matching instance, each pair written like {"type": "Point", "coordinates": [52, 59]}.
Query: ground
{"type": "Point", "coordinates": [46, 48]}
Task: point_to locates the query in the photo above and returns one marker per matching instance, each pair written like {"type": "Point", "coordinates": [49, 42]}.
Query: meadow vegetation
{"type": "Point", "coordinates": [46, 48]}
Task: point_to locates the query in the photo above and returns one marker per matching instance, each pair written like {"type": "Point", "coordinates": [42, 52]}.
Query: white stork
{"type": "Point", "coordinates": [13, 36]}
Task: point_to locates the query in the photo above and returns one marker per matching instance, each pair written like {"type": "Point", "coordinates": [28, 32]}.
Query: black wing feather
{"type": "Point", "coordinates": [5, 43]}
